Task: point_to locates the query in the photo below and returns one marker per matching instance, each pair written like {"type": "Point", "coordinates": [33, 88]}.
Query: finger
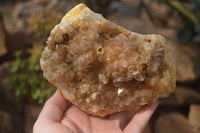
{"type": "Point", "coordinates": [54, 108]}
{"type": "Point", "coordinates": [139, 121]}
{"type": "Point", "coordinates": [119, 118]}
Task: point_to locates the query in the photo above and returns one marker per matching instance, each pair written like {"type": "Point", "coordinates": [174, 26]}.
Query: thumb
{"type": "Point", "coordinates": [139, 121]}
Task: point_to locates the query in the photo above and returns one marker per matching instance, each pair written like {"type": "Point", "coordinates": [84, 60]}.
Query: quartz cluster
{"type": "Point", "coordinates": [103, 68]}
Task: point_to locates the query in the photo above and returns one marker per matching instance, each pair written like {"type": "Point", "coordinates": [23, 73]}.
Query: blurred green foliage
{"type": "Point", "coordinates": [27, 80]}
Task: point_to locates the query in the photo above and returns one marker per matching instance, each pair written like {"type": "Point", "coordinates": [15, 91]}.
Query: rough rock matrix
{"type": "Point", "coordinates": [103, 68]}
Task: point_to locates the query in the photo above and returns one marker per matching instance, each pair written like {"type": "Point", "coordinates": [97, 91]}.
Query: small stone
{"type": "Point", "coordinates": [194, 116]}
{"type": "Point", "coordinates": [181, 97]}
{"type": "Point", "coordinates": [173, 123]}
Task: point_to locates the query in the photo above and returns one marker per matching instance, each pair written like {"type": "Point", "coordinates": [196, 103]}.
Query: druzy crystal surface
{"type": "Point", "coordinates": [103, 68]}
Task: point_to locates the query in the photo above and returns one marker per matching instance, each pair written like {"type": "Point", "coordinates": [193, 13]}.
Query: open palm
{"type": "Point", "coordinates": [58, 116]}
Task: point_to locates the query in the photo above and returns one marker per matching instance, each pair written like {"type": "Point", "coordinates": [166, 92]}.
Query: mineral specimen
{"type": "Point", "coordinates": [103, 68]}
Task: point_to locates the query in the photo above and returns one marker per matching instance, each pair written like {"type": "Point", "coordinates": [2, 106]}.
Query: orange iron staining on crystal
{"type": "Point", "coordinates": [103, 68]}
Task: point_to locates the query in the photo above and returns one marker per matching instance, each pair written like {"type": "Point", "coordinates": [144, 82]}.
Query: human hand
{"type": "Point", "coordinates": [57, 117]}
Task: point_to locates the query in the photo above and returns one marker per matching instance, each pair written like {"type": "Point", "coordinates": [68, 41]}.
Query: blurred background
{"type": "Point", "coordinates": [25, 25]}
